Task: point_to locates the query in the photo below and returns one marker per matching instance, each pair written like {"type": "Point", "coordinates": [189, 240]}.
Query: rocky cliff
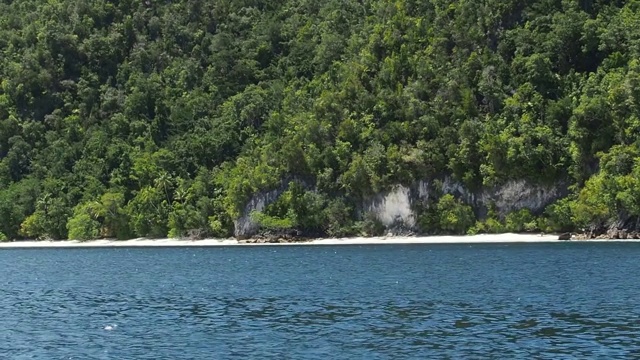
{"type": "Point", "coordinates": [396, 208]}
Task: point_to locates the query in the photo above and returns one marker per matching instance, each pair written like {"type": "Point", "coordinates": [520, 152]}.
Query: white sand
{"type": "Point", "coordinates": [116, 243]}
{"type": "Point", "coordinates": [467, 239]}
{"type": "Point", "coordinates": [472, 239]}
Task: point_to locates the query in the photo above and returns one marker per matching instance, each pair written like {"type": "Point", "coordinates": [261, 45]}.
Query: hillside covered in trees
{"type": "Point", "coordinates": [162, 118]}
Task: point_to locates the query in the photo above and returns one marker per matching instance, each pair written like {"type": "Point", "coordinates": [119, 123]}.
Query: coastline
{"type": "Point", "coordinates": [508, 238]}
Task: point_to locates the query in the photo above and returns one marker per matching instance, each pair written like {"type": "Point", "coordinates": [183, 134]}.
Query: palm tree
{"type": "Point", "coordinates": [163, 182]}
{"type": "Point", "coordinates": [182, 195]}
{"type": "Point", "coordinates": [44, 202]}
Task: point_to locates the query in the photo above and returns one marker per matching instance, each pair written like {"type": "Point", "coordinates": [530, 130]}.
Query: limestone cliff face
{"type": "Point", "coordinates": [244, 226]}
{"type": "Point", "coordinates": [395, 208]}
{"type": "Point", "coordinates": [511, 196]}
{"type": "Point", "coordinates": [516, 195]}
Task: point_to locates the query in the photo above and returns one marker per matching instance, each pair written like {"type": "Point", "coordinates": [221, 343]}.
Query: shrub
{"type": "Point", "coordinates": [455, 216]}
{"type": "Point", "coordinates": [271, 222]}
{"type": "Point", "coordinates": [337, 218]}
{"type": "Point", "coordinates": [83, 227]}
{"type": "Point", "coordinates": [32, 226]}
{"type": "Point", "coordinates": [370, 225]}
{"type": "Point", "coordinates": [217, 227]}
{"type": "Point", "coordinates": [558, 216]}
{"type": "Point", "coordinates": [489, 226]}
{"type": "Point", "coordinates": [520, 220]}
{"type": "Point", "coordinates": [595, 205]}
{"type": "Point", "coordinates": [3, 237]}
{"type": "Point", "coordinates": [428, 220]}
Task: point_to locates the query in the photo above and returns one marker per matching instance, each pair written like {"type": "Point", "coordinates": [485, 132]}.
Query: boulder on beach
{"type": "Point", "coordinates": [565, 236]}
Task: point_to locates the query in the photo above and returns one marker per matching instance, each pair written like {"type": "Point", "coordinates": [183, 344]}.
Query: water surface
{"type": "Point", "coordinates": [553, 301]}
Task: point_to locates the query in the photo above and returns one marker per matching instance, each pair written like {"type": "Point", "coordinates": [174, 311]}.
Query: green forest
{"type": "Point", "coordinates": [147, 118]}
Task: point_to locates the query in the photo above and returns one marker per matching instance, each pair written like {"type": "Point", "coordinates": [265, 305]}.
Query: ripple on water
{"type": "Point", "coordinates": [361, 302]}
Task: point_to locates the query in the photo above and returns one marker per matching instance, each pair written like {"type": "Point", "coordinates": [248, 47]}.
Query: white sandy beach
{"type": "Point", "coordinates": [467, 239]}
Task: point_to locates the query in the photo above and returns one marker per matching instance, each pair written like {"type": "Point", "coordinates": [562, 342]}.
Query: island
{"type": "Point", "coordinates": [302, 120]}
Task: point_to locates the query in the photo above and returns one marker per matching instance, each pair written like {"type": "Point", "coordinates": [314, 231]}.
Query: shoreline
{"type": "Point", "coordinates": [508, 238]}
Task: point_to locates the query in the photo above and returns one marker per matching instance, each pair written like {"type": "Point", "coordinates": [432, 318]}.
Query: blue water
{"type": "Point", "coordinates": [550, 301]}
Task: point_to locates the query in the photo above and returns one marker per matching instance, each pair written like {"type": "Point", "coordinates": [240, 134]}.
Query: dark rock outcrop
{"type": "Point", "coordinates": [565, 236]}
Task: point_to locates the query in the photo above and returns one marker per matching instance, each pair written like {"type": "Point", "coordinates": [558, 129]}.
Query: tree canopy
{"type": "Point", "coordinates": [147, 118]}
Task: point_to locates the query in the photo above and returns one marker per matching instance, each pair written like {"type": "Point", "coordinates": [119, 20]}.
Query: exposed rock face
{"type": "Point", "coordinates": [396, 208]}
{"type": "Point", "coordinates": [516, 195]}
{"type": "Point", "coordinates": [393, 208]}
{"type": "Point", "coordinates": [244, 226]}
{"type": "Point", "coordinates": [608, 234]}
{"type": "Point", "coordinates": [513, 195]}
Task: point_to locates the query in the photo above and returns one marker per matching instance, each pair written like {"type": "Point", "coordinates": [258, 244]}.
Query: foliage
{"type": "Point", "coordinates": [299, 208]}
{"type": "Point", "coordinates": [612, 196]}
{"type": "Point", "coordinates": [83, 225]}
{"type": "Point", "coordinates": [337, 218]}
{"type": "Point", "coordinates": [172, 115]}
{"type": "Point", "coordinates": [558, 216]}
{"type": "Point", "coordinates": [455, 217]}
{"type": "Point", "coordinates": [272, 222]}
{"type": "Point", "coordinates": [520, 220]}
{"type": "Point", "coordinates": [370, 226]}
{"type": "Point", "coordinates": [491, 224]}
